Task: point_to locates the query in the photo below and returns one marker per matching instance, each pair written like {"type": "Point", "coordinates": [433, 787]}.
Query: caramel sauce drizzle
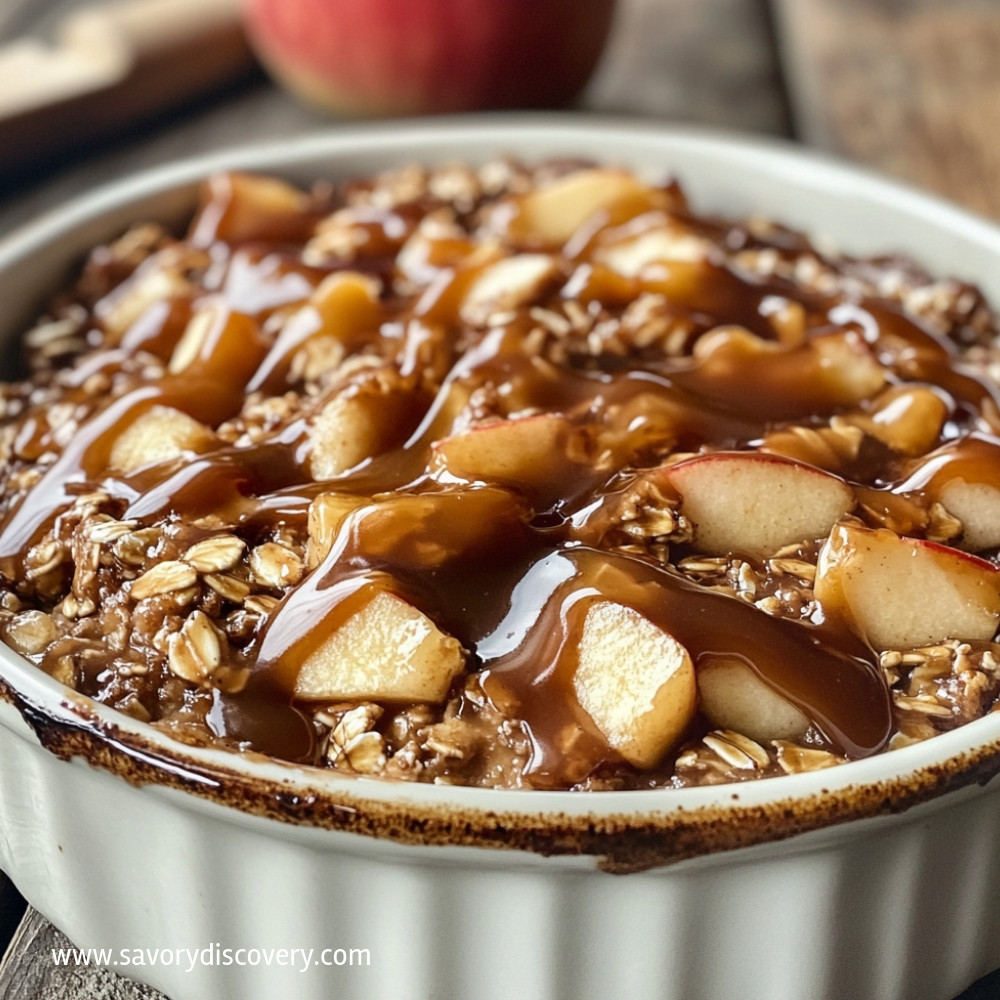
{"type": "Point", "coordinates": [512, 600]}
{"type": "Point", "coordinates": [823, 670]}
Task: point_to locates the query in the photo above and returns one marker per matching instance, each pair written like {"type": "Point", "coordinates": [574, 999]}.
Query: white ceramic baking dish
{"type": "Point", "coordinates": [877, 879]}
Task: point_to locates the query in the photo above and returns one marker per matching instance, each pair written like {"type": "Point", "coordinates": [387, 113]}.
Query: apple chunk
{"type": "Point", "coordinates": [553, 213]}
{"type": "Point", "coordinates": [754, 504]}
{"type": "Point", "coordinates": [964, 477]}
{"type": "Point", "coordinates": [327, 514]}
{"type": "Point", "coordinates": [146, 288]}
{"type": "Point", "coordinates": [421, 532]}
{"type": "Point", "coordinates": [977, 506]}
{"type": "Point", "coordinates": [507, 284]}
{"type": "Point", "coordinates": [733, 697]}
{"type": "Point", "coordinates": [344, 307]}
{"type": "Point", "coordinates": [158, 435]}
{"type": "Point", "coordinates": [906, 418]}
{"type": "Point", "coordinates": [239, 207]}
{"type": "Point", "coordinates": [218, 344]}
{"type": "Point", "coordinates": [387, 650]}
{"type": "Point", "coordinates": [635, 681]}
{"type": "Point", "coordinates": [363, 420]}
{"type": "Point", "coordinates": [522, 450]}
{"type": "Point", "coordinates": [346, 432]}
{"type": "Point", "coordinates": [899, 593]}
{"type": "Point", "coordinates": [669, 243]}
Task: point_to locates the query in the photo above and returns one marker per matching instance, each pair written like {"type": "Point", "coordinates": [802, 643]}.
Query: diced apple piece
{"type": "Point", "coordinates": [787, 316]}
{"type": "Point", "coordinates": [147, 287]}
{"type": "Point", "coordinates": [327, 514]}
{"type": "Point", "coordinates": [159, 434]}
{"type": "Point", "coordinates": [218, 344]}
{"type": "Point", "coordinates": [906, 418]}
{"type": "Point", "coordinates": [733, 697]}
{"type": "Point", "coordinates": [364, 420]}
{"type": "Point", "coordinates": [754, 504]}
{"type": "Point", "coordinates": [851, 371]}
{"type": "Point", "coordinates": [387, 650]}
{"type": "Point", "coordinates": [515, 451]}
{"type": "Point", "coordinates": [664, 244]}
{"type": "Point", "coordinates": [346, 301]}
{"type": "Point", "coordinates": [593, 282]}
{"type": "Point", "coordinates": [438, 243]}
{"type": "Point", "coordinates": [899, 593]}
{"type": "Point", "coordinates": [553, 213]}
{"type": "Point", "coordinates": [423, 531]}
{"type": "Point", "coordinates": [780, 382]}
{"type": "Point", "coordinates": [964, 477]}
{"type": "Point", "coordinates": [635, 681]}
{"type": "Point", "coordinates": [977, 506]}
{"type": "Point", "coordinates": [344, 305]}
{"type": "Point", "coordinates": [727, 344]}
{"type": "Point", "coordinates": [239, 207]}
{"type": "Point", "coordinates": [419, 531]}
{"type": "Point", "coordinates": [507, 284]}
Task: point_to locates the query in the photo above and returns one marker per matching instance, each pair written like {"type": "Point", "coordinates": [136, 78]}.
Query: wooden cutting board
{"type": "Point", "coordinates": [911, 87]}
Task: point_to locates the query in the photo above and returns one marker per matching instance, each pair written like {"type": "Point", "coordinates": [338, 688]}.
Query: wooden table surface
{"type": "Point", "coordinates": [910, 87]}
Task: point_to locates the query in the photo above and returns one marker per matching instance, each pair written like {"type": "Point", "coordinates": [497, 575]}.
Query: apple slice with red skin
{"type": "Point", "coordinates": [754, 504]}
{"type": "Point", "coordinates": [900, 593]}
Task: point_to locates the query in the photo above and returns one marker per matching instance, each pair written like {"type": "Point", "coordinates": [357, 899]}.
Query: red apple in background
{"type": "Point", "coordinates": [393, 57]}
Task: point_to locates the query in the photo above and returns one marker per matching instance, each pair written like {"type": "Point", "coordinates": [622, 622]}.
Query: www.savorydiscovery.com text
{"type": "Point", "coordinates": [301, 959]}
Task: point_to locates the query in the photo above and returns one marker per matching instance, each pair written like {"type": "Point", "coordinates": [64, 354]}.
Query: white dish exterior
{"type": "Point", "coordinates": [892, 891]}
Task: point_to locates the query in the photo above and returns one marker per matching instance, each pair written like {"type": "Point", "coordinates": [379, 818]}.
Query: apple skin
{"type": "Point", "coordinates": [897, 592]}
{"type": "Point", "coordinates": [754, 503]}
{"type": "Point", "coordinates": [398, 57]}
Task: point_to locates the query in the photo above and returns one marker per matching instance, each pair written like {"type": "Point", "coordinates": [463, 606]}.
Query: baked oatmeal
{"type": "Point", "coordinates": [509, 476]}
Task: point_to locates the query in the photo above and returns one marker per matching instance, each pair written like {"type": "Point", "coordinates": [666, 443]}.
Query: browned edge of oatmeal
{"type": "Point", "coordinates": [622, 842]}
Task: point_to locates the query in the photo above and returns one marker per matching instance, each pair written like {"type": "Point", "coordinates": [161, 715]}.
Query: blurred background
{"type": "Point", "coordinates": [92, 90]}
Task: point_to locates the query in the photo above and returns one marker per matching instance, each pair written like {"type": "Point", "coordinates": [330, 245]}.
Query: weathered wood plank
{"type": "Point", "coordinates": [29, 973]}
{"type": "Point", "coordinates": [707, 61]}
{"type": "Point", "coordinates": [911, 87]}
